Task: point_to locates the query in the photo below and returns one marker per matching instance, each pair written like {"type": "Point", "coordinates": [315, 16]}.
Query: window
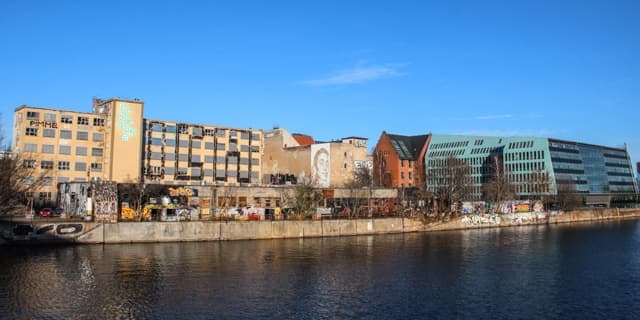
{"type": "Point", "coordinates": [64, 150]}
{"type": "Point", "coordinates": [63, 165]}
{"type": "Point", "coordinates": [32, 115]}
{"type": "Point", "coordinates": [65, 134]}
{"type": "Point", "coordinates": [47, 148]}
{"type": "Point", "coordinates": [96, 167]}
{"type": "Point", "coordinates": [30, 147]}
{"type": "Point", "coordinates": [221, 133]}
{"type": "Point", "coordinates": [98, 136]}
{"type": "Point", "coordinates": [170, 129]}
{"type": "Point", "coordinates": [29, 163]}
{"type": "Point", "coordinates": [46, 164]}
{"type": "Point", "coordinates": [50, 117]}
{"type": "Point", "coordinates": [47, 181]}
{"type": "Point", "coordinates": [31, 131]}
{"type": "Point", "coordinates": [66, 119]}
{"type": "Point", "coordinates": [183, 129]}
{"type": "Point", "coordinates": [195, 144]}
{"type": "Point", "coordinates": [45, 196]}
{"type": "Point", "coordinates": [170, 156]}
{"type": "Point", "coordinates": [220, 146]}
{"type": "Point", "coordinates": [209, 145]}
{"type": "Point", "coordinates": [209, 132]}
{"type": "Point", "coordinates": [98, 122]}
{"type": "Point", "coordinates": [255, 136]}
{"type": "Point", "coordinates": [184, 143]}
{"type": "Point", "coordinates": [81, 166]}
{"type": "Point", "coordinates": [49, 133]}
{"type": "Point", "coordinates": [81, 151]}
{"type": "Point", "coordinates": [96, 152]}
{"type": "Point", "coordinates": [244, 135]}
{"type": "Point", "coordinates": [29, 180]}
{"type": "Point", "coordinates": [82, 135]}
{"type": "Point", "coordinates": [83, 120]}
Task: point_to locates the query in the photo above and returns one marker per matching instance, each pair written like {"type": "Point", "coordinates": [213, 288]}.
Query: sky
{"type": "Point", "coordinates": [332, 69]}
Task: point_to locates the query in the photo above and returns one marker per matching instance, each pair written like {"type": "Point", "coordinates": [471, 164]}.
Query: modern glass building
{"type": "Point", "coordinates": [538, 166]}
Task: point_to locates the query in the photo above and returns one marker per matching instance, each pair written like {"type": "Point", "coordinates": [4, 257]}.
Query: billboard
{"type": "Point", "coordinates": [321, 165]}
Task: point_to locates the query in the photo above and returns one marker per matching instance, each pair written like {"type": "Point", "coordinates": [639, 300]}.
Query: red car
{"type": "Point", "coordinates": [46, 212]}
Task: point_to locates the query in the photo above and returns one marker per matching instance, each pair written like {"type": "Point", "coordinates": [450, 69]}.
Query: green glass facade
{"type": "Point", "coordinates": [534, 165]}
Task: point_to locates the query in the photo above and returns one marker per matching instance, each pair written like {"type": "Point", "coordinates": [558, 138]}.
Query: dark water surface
{"type": "Point", "coordinates": [561, 272]}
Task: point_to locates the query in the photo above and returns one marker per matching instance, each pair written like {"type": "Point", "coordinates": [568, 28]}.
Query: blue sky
{"type": "Point", "coordinates": [564, 69]}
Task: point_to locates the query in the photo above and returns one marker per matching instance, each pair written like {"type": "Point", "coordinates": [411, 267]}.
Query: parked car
{"type": "Point", "coordinates": [46, 212]}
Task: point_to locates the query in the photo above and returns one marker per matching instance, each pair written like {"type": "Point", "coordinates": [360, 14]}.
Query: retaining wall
{"type": "Point", "coordinates": [128, 232]}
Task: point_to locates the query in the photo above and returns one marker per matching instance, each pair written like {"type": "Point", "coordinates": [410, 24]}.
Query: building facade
{"type": "Point", "coordinates": [115, 142]}
{"type": "Point", "coordinates": [398, 161]}
{"type": "Point", "coordinates": [288, 158]}
{"type": "Point", "coordinates": [538, 166]}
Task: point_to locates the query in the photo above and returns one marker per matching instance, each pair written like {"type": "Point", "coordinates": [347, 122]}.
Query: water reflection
{"type": "Point", "coordinates": [530, 272]}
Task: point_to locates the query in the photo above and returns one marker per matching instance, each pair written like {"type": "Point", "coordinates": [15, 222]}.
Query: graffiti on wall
{"type": "Point", "coordinates": [73, 198]}
{"type": "Point", "coordinates": [105, 201]}
{"type": "Point", "coordinates": [125, 123]}
{"type": "Point", "coordinates": [321, 165]}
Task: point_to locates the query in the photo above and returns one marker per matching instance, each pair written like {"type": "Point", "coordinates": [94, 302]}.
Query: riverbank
{"type": "Point", "coordinates": [140, 232]}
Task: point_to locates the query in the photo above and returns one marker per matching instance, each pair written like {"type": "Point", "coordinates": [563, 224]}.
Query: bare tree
{"type": "Point", "coordinates": [19, 179]}
{"type": "Point", "coordinates": [538, 185]}
{"type": "Point", "coordinates": [304, 198]}
{"type": "Point", "coordinates": [452, 183]}
{"type": "Point", "coordinates": [567, 196]}
{"type": "Point", "coordinates": [361, 179]}
{"type": "Point", "coordinates": [499, 186]}
{"type": "Point", "coordinates": [137, 194]}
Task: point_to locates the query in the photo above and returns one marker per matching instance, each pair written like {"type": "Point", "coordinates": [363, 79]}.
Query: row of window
{"type": "Point", "coordinates": [51, 117]}
{"type": "Point", "coordinates": [61, 165]}
{"type": "Point", "coordinates": [524, 156]}
{"type": "Point", "coordinates": [198, 131]}
{"type": "Point", "coordinates": [65, 134]}
{"type": "Point", "coordinates": [521, 144]}
{"type": "Point", "coordinates": [50, 149]}
{"type": "Point", "coordinates": [198, 158]}
{"type": "Point", "coordinates": [525, 166]}
{"type": "Point", "coordinates": [446, 153]}
{"type": "Point", "coordinates": [457, 144]}
{"type": "Point", "coordinates": [196, 144]}
{"type": "Point", "coordinates": [196, 171]}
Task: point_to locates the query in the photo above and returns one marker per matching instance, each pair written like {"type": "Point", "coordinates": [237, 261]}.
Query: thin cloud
{"type": "Point", "coordinates": [513, 133]}
{"type": "Point", "coordinates": [494, 117]}
{"type": "Point", "coordinates": [356, 75]}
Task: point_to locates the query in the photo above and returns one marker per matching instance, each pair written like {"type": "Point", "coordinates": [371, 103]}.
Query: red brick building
{"type": "Point", "coordinates": [398, 161]}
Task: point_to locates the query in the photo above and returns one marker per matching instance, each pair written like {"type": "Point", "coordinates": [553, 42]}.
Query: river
{"type": "Point", "coordinates": [539, 272]}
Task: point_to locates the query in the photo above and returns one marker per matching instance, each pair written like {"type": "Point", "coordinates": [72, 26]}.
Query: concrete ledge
{"type": "Point", "coordinates": [128, 232]}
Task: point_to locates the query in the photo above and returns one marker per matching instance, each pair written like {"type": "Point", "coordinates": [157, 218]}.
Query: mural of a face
{"type": "Point", "coordinates": [321, 167]}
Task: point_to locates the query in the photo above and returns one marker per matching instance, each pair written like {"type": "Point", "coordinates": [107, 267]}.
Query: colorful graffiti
{"type": "Point", "coordinates": [125, 123]}
{"type": "Point", "coordinates": [183, 192]}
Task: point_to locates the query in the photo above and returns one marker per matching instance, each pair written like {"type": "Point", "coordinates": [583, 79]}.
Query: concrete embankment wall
{"type": "Point", "coordinates": [128, 232]}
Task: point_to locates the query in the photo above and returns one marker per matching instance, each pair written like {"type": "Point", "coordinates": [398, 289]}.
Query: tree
{"type": "Point", "coordinates": [304, 198]}
{"type": "Point", "coordinates": [137, 194]}
{"type": "Point", "coordinates": [452, 183]}
{"type": "Point", "coordinates": [499, 186]}
{"type": "Point", "coordinates": [361, 179]}
{"type": "Point", "coordinates": [567, 196]}
{"type": "Point", "coordinates": [19, 179]}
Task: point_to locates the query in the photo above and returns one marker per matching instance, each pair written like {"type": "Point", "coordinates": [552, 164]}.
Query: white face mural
{"type": "Point", "coordinates": [321, 165]}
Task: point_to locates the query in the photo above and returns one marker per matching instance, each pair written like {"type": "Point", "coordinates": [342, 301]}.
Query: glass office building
{"type": "Point", "coordinates": [538, 166]}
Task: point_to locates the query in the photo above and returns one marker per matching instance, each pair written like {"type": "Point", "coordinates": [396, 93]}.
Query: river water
{"type": "Point", "coordinates": [540, 272]}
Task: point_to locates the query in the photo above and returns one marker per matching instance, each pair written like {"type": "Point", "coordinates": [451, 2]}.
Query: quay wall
{"type": "Point", "coordinates": [134, 232]}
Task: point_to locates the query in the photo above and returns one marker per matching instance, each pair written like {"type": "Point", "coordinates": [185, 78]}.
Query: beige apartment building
{"type": "Point", "coordinates": [325, 164]}
{"type": "Point", "coordinates": [115, 143]}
